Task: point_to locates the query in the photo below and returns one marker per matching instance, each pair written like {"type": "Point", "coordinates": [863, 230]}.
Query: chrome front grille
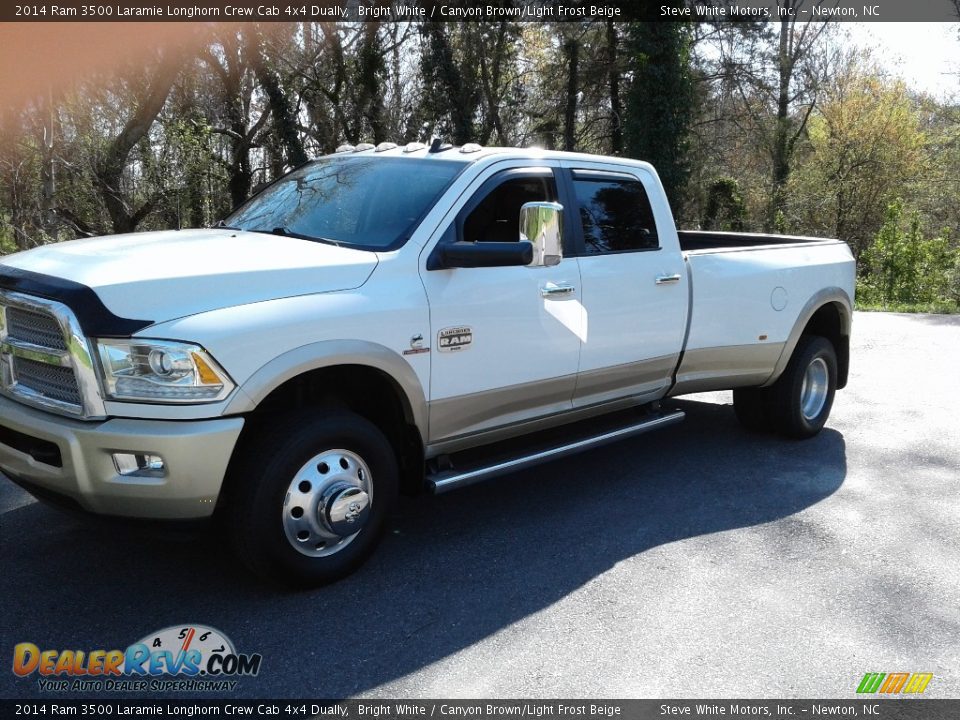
{"type": "Point", "coordinates": [44, 359]}
{"type": "Point", "coordinates": [59, 383]}
{"type": "Point", "coordinates": [35, 328]}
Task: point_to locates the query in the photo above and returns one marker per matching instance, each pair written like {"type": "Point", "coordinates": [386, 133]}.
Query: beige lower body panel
{"type": "Point", "coordinates": [480, 418]}
{"type": "Point", "coordinates": [724, 368]}
{"type": "Point", "coordinates": [637, 379]}
{"type": "Point", "coordinates": [467, 415]}
{"type": "Point", "coordinates": [485, 417]}
{"type": "Point", "coordinates": [526, 427]}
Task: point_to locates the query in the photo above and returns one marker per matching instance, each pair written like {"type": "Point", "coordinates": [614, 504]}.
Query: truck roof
{"type": "Point", "coordinates": [472, 153]}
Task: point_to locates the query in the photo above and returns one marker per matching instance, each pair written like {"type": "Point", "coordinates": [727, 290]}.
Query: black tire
{"type": "Point", "coordinates": [261, 479]}
{"type": "Point", "coordinates": [785, 408]}
{"type": "Point", "coordinates": [750, 405]}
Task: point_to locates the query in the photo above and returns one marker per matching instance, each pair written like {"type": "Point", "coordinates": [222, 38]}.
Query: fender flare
{"type": "Point", "coordinates": [331, 353]}
{"type": "Point", "coordinates": [827, 296]}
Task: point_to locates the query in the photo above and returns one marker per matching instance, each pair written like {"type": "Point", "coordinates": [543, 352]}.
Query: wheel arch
{"type": "Point", "coordinates": [828, 313]}
{"type": "Point", "coordinates": [361, 376]}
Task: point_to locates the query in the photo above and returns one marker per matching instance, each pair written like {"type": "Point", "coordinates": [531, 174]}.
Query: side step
{"type": "Point", "coordinates": [450, 479]}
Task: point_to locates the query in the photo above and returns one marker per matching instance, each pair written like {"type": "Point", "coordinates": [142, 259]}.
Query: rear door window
{"type": "Point", "coordinates": [615, 213]}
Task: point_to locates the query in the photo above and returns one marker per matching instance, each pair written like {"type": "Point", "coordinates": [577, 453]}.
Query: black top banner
{"type": "Point", "coordinates": [478, 10]}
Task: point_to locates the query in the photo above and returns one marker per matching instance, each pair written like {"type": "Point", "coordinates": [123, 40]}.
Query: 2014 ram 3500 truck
{"type": "Point", "coordinates": [387, 319]}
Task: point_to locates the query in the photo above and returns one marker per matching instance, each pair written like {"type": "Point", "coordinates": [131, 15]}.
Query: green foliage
{"type": "Point", "coordinates": [659, 106]}
{"type": "Point", "coordinates": [551, 109]}
{"type": "Point", "coordinates": [188, 176]}
{"type": "Point", "coordinates": [902, 268]}
{"type": "Point", "coordinates": [865, 148]}
{"type": "Point", "coordinates": [705, 104]}
{"type": "Point", "coordinates": [726, 209]}
{"type": "Point", "coordinates": [469, 72]}
{"type": "Point", "coordinates": [7, 242]}
{"type": "Point", "coordinates": [780, 222]}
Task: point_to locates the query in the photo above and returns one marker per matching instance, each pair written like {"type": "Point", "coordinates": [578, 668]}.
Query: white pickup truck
{"type": "Point", "coordinates": [390, 319]}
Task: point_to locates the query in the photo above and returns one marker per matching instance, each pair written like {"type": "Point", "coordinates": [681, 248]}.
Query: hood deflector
{"type": "Point", "coordinates": [94, 317]}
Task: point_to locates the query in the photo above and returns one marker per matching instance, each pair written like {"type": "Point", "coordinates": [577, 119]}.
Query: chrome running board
{"type": "Point", "coordinates": [446, 480]}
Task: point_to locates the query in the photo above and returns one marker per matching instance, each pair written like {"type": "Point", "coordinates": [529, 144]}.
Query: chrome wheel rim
{"type": "Point", "coordinates": [327, 503]}
{"type": "Point", "coordinates": [813, 393]}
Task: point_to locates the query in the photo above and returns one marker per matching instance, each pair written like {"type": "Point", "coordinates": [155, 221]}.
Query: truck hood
{"type": "Point", "coordinates": [160, 276]}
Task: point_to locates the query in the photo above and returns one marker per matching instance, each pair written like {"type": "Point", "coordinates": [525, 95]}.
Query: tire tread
{"type": "Point", "coordinates": [263, 466]}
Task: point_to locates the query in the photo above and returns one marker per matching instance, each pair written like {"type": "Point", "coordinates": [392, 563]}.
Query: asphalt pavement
{"type": "Point", "coordinates": [697, 561]}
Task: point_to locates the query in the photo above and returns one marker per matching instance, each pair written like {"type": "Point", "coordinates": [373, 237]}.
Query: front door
{"type": "Point", "coordinates": [505, 340]}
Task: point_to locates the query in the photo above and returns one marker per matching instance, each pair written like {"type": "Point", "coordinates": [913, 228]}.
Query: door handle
{"type": "Point", "coordinates": [668, 279]}
{"type": "Point", "coordinates": [552, 290]}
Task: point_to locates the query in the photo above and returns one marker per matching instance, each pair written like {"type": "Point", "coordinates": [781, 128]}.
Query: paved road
{"type": "Point", "coordinates": [697, 561]}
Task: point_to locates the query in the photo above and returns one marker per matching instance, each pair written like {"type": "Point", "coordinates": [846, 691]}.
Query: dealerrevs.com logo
{"type": "Point", "coordinates": [182, 657]}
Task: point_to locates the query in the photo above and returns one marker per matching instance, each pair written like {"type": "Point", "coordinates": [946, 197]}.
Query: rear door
{"type": "Point", "coordinates": [505, 340]}
{"type": "Point", "coordinates": [633, 283]}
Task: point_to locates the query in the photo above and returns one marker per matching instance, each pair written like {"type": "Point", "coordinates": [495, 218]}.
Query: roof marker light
{"type": "Point", "coordinates": [385, 146]}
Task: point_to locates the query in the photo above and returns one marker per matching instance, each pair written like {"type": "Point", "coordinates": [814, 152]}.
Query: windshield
{"type": "Point", "coordinates": [370, 203]}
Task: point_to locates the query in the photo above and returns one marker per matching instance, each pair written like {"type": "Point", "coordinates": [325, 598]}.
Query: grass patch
{"type": "Point", "coordinates": [937, 307]}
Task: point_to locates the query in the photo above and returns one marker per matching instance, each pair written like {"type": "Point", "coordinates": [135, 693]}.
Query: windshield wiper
{"type": "Point", "coordinates": [287, 232]}
{"type": "Point", "coordinates": [221, 225]}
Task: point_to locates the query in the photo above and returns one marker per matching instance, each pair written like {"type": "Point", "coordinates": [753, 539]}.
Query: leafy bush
{"type": "Point", "coordinates": [726, 209]}
{"type": "Point", "coordinates": [901, 268]}
{"type": "Point", "coordinates": [8, 243]}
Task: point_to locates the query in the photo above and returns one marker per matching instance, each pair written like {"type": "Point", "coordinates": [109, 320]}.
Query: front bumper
{"type": "Point", "coordinates": [73, 459]}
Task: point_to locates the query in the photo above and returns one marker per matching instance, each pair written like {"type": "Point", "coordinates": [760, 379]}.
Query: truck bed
{"type": "Point", "coordinates": [707, 240]}
{"type": "Point", "coordinates": [748, 291]}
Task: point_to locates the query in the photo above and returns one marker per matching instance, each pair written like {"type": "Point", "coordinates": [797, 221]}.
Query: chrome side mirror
{"type": "Point", "coordinates": [541, 223]}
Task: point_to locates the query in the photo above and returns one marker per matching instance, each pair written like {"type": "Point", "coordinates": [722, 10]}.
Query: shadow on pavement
{"type": "Point", "coordinates": [452, 570]}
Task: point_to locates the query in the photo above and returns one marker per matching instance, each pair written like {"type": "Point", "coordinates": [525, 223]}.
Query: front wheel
{"type": "Point", "coordinates": [801, 399]}
{"type": "Point", "coordinates": [311, 496]}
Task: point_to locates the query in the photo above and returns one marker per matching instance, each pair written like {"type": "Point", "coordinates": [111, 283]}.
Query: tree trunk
{"type": "Point", "coordinates": [284, 115]}
{"type": "Point", "coordinates": [454, 95]}
{"type": "Point", "coordinates": [48, 219]}
{"type": "Point", "coordinates": [572, 50]}
{"type": "Point", "coordinates": [613, 81]}
{"type": "Point", "coordinates": [371, 64]}
{"type": "Point", "coordinates": [781, 140]}
{"type": "Point", "coordinates": [109, 171]}
{"type": "Point", "coordinates": [659, 104]}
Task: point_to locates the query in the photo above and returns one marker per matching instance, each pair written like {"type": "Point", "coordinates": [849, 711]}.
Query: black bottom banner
{"type": "Point", "coordinates": [870, 708]}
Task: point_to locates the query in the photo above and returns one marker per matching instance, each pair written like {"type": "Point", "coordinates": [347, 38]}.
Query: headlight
{"type": "Point", "coordinates": [161, 371]}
